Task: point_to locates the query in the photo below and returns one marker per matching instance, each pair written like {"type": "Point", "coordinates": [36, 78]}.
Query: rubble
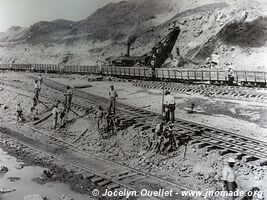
{"type": "Point", "coordinates": [13, 179]}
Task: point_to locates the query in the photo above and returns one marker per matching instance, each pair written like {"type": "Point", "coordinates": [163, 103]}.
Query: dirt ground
{"type": "Point", "coordinates": [242, 117]}
{"type": "Point", "coordinates": [190, 166]}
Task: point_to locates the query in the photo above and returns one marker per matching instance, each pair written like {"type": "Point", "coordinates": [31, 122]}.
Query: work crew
{"type": "Point", "coordinates": [112, 100]}
{"type": "Point", "coordinates": [68, 99]}
{"type": "Point", "coordinates": [36, 90]}
{"type": "Point", "coordinates": [229, 177]}
{"type": "Point", "coordinates": [169, 106]}
{"type": "Point", "coordinates": [55, 113]}
{"type": "Point", "coordinates": [19, 113]}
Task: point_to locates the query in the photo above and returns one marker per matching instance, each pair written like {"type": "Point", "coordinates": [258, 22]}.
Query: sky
{"type": "Point", "coordinates": [27, 12]}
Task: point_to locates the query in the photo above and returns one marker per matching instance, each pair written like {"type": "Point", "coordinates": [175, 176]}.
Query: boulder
{"type": "Point", "coordinates": [65, 198]}
{"type": "Point", "coordinates": [33, 197]}
{"type": "Point", "coordinates": [3, 169]}
{"type": "Point", "coordinates": [20, 165]}
{"type": "Point", "coordinates": [6, 190]}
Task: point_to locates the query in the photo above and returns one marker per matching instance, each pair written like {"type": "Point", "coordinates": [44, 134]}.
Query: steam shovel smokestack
{"type": "Point", "coordinates": [128, 50]}
{"type": "Point", "coordinates": [131, 39]}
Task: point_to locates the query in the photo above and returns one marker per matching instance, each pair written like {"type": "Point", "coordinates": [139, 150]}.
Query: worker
{"type": "Point", "coordinates": [68, 99]}
{"type": "Point", "coordinates": [174, 62]}
{"type": "Point", "coordinates": [171, 138]}
{"type": "Point", "coordinates": [36, 90]}
{"type": "Point", "coordinates": [99, 64]}
{"type": "Point", "coordinates": [40, 80]}
{"type": "Point", "coordinates": [160, 128]}
{"type": "Point", "coordinates": [231, 76]}
{"type": "Point", "coordinates": [55, 113]}
{"type": "Point", "coordinates": [110, 122]}
{"type": "Point", "coordinates": [34, 102]}
{"type": "Point", "coordinates": [168, 140]}
{"type": "Point", "coordinates": [229, 176]}
{"type": "Point", "coordinates": [19, 113]}
{"type": "Point", "coordinates": [62, 113]}
{"type": "Point", "coordinates": [253, 194]}
{"type": "Point", "coordinates": [169, 106]}
{"type": "Point", "coordinates": [100, 115]}
{"type": "Point", "coordinates": [112, 99]}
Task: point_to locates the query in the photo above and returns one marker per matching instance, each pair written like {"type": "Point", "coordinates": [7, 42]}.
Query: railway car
{"type": "Point", "coordinates": [81, 69]}
{"type": "Point", "coordinates": [131, 72]}
{"type": "Point", "coordinates": [193, 75]}
{"type": "Point", "coordinates": [5, 66]}
{"type": "Point", "coordinates": [21, 67]}
{"type": "Point", "coordinates": [251, 78]}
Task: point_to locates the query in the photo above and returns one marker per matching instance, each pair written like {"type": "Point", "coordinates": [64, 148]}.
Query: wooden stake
{"type": "Point", "coordinates": [79, 136]}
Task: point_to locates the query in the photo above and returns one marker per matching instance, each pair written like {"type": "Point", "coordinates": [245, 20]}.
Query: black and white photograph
{"type": "Point", "coordinates": [133, 99]}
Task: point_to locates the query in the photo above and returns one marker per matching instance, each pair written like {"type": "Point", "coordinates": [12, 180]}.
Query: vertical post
{"type": "Point", "coordinates": [162, 103]}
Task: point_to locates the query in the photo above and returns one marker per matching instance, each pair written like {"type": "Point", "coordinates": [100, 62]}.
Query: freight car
{"type": "Point", "coordinates": [193, 75]}
{"type": "Point", "coordinates": [213, 76]}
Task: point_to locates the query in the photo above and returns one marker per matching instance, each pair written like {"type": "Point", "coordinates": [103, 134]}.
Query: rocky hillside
{"type": "Point", "coordinates": [235, 31]}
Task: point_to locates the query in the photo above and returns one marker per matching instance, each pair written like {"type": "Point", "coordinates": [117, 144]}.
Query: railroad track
{"type": "Point", "coordinates": [245, 148]}
{"type": "Point", "coordinates": [113, 176]}
{"type": "Point", "coordinates": [203, 136]}
{"type": "Point", "coordinates": [233, 92]}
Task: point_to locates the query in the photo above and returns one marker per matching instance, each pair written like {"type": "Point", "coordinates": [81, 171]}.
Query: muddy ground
{"type": "Point", "coordinates": [193, 167]}
{"type": "Point", "coordinates": [28, 174]}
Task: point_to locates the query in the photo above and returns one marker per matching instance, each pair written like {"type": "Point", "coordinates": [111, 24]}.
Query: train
{"type": "Point", "coordinates": [212, 76]}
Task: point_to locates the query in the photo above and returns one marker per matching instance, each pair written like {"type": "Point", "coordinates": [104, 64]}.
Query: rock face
{"type": "Point", "coordinates": [222, 27]}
